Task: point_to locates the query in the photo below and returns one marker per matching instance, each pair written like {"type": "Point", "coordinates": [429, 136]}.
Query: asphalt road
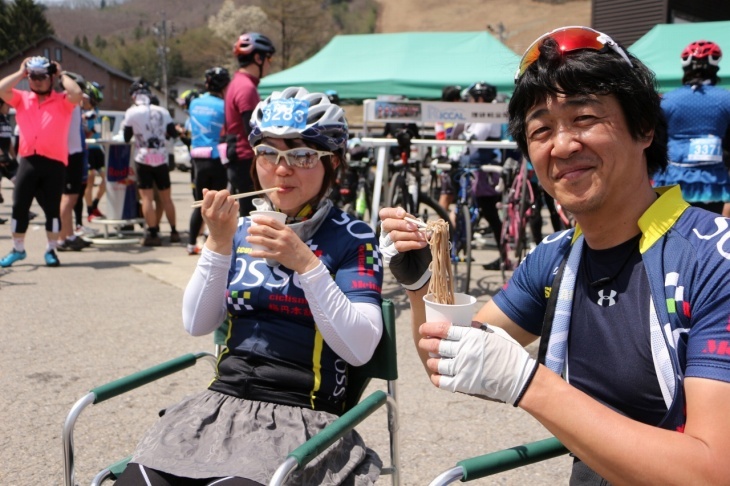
{"type": "Point", "coordinates": [110, 311]}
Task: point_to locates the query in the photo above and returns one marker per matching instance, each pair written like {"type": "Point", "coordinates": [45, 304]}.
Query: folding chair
{"type": "Point", "coordinates": [111, 390]}
{"type": "Point", "coordinates": [500, 461]}
{"type": "Point", "coordinates": [383, 365]}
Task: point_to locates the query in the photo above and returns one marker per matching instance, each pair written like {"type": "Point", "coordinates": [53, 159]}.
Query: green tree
{"type": "Point", "coordinates": [22, 23]}
{"type": "Point", "coordinates": [303, 27]}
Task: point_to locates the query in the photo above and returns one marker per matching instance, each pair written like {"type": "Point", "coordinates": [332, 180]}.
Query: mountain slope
{"type": "Point", "coordinates": [523, 20]}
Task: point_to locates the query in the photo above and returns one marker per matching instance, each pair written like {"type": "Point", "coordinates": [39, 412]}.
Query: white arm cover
{"type": "Point", "coordinates": [204, 301]}
{"type": "Point", "coordinates": [352, 330]}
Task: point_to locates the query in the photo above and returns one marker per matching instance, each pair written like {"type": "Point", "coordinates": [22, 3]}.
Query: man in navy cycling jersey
{"type": "Point", "coordinates": [633, 373]}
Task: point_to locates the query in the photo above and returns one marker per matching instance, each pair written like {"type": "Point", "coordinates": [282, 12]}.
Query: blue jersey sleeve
{"type": "Point", "coordinates": [359, 272]}
{"type": "Point", "coordinates": [524, 298]}
{"type": "Point", "coordinates": [708, 340]}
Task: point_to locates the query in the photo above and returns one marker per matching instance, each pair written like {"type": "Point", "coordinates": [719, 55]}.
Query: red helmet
{"type": "Point", "coordinates": [251, 42]}
{"type": "Point", "coordinates": [701, 50]}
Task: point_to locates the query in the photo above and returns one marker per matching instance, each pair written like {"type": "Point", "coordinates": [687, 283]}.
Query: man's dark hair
{"type": "Point", "coordinates": [700, 71]}
{"type": "Point", "coordinates": [589, 72]}
{"type": "Point", "coordinates": [451, 93]}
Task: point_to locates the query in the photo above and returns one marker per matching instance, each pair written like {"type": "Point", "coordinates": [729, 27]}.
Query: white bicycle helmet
{"type": "Point", "coordinates": [297, 113]}
{"type": "Point", "coordinates": [40, 65]}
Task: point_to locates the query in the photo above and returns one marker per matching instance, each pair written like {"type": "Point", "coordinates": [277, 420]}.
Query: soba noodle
{"type": "Point", "coordinates": [442, 277]}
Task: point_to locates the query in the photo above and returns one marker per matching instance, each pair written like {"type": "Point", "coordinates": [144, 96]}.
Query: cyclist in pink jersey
{"type": "Point", "coordinates": [44, 117]}
{"type": "Point", "coordinates": [253, 52]}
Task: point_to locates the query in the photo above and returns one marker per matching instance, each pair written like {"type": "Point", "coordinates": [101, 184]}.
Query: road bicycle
{"type": "Point", "coordinates": [357, 189]}
{"type": "Point", "coordinates": [566, 218]}
{"type": "Point", "coordinates": [517, 208]}
{"type": "Point", "coordinates": [465, 218]}
{"type": "Point", "coordinates": [404, 187]}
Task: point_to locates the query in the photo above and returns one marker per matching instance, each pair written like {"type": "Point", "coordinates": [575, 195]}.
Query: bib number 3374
{"type": "Point", "coordinates": [705, 149]}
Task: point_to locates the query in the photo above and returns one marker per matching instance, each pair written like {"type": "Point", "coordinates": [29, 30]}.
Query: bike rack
{"type": "Point", "coordinates": [381, 168]}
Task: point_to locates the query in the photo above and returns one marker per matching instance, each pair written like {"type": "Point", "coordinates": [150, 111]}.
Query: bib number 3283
{"type": "Point", "coordinates": [705, 149]}
{"type": "Point", "coordinates": [285, 113]}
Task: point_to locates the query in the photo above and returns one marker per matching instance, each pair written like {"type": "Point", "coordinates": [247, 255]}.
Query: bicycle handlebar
{"type": "Point", "coordinates": [494, 169]}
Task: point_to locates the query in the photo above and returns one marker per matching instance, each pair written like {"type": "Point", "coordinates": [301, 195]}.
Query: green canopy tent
{"type": "Point", "coordinates": [661, 47]}
{"type": "Point", "coordinates": [416, 65]}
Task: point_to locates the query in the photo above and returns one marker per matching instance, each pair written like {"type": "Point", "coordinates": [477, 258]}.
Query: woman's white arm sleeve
{"type": "Point", "coordinates": [204, 301]}
{"type": "Point", "coordinates": [352, 330]}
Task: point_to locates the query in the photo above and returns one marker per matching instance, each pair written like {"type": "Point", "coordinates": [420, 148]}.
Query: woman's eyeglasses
{"type": "Point", "coordinates": [299, 157]}
{"type": "Point", "coordinates": [38, 77]}
{"type": "Point", "coordinates": [571, 39]}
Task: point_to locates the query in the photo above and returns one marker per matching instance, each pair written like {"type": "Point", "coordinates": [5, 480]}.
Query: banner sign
{"type": "Point", "coordinates": [430, 112]}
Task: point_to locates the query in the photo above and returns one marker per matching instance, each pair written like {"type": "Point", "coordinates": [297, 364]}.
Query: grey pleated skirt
{"type": "Point", "coordinates": [215, 435]}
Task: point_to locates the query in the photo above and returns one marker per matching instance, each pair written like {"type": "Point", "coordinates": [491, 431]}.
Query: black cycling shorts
{"type": "Point", "coordinates": [74, 173]}
{"type": "Point", "coordinates": [148, 177]}
{"type": "Point", "coordinates": [96, 159]}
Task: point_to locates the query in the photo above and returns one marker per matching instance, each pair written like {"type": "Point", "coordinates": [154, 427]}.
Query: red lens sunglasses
{"type": "Point", "coordinates": [571, 39]}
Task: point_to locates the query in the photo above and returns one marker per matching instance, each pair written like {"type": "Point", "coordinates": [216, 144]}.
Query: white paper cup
{"type": "Point", "coordinates": [460, 313]}
{"type": "Point", "coordinates": [281, 217]}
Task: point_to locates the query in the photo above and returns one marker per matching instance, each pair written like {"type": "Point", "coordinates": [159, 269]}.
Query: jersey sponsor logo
{"type": "Point", "coordinates": [292, 310]}
{"type": "Point", "coordinates": [606, 300]}
{"type": "Point", "coordinates": [239, 299]}
{"type": "Point", "coordinates": [721, 232]}
{"type": "Point", "coordinates": [676, 298]}
{"type": "Point", "coordinates": [340, 378]}
{"type": "Point", "coordinates": [252, 274]}
{"type": "Point", "coordinates": [355, 227]}
{"type": "Point", "coordinates": [720, 348]}
{"type": "Point", "coordinates": [315, 248]}
{"type": "Point", "coordinates": [368, 260]}
{"type": "Point", "coordinates": [556, 237]}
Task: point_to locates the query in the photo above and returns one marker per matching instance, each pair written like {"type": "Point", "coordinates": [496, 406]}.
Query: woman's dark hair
{"type": "Point", "coordinates": [330, 171]}
{"type": "Point", "coordinates": [590, 72]}
{"type": "Point", "coordinates": [698, 72]}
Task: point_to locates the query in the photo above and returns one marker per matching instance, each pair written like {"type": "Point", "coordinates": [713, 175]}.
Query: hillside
{"type": "Point", "coordinates": [523, 20]}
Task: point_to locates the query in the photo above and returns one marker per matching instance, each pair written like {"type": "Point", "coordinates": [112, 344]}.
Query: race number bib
{"type": "Point", "coordinates": [155, 159]}
{"type": "Point", "coordinates": [285, 113]}
{"type": "Point", "coordinates": [705, 149]}
{"type": "Point", "coordinates": [201, 152]}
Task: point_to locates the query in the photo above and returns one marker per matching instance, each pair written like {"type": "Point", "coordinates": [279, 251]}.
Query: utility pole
{"type": "Point", "coordinates": [162, 50]}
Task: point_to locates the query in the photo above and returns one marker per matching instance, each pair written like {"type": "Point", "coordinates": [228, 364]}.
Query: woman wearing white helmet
{"type": "Point", "coordinates": [301, 311]}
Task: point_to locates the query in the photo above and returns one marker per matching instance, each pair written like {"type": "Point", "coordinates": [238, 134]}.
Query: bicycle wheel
{"type": "Point", "coordinates": [461, 249]}
{"type": "Point", "coordinates": [509, 231]}
{"type": "Point", "coordinates": [362, 203]}
{"type": "Point", "coordinates": [398, 193]}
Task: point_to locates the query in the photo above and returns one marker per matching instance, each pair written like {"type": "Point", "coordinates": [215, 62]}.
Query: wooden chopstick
{"type": "Point", "coordinates": [418, 223]}
{"type": "Point", "coordinates": [198, 204]}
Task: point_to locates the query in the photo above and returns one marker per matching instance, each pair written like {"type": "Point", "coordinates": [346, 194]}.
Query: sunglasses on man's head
{"type": "Point", "coordinates": [570, 39]}
{"type": "Point", "coordinates": [38, 77]}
